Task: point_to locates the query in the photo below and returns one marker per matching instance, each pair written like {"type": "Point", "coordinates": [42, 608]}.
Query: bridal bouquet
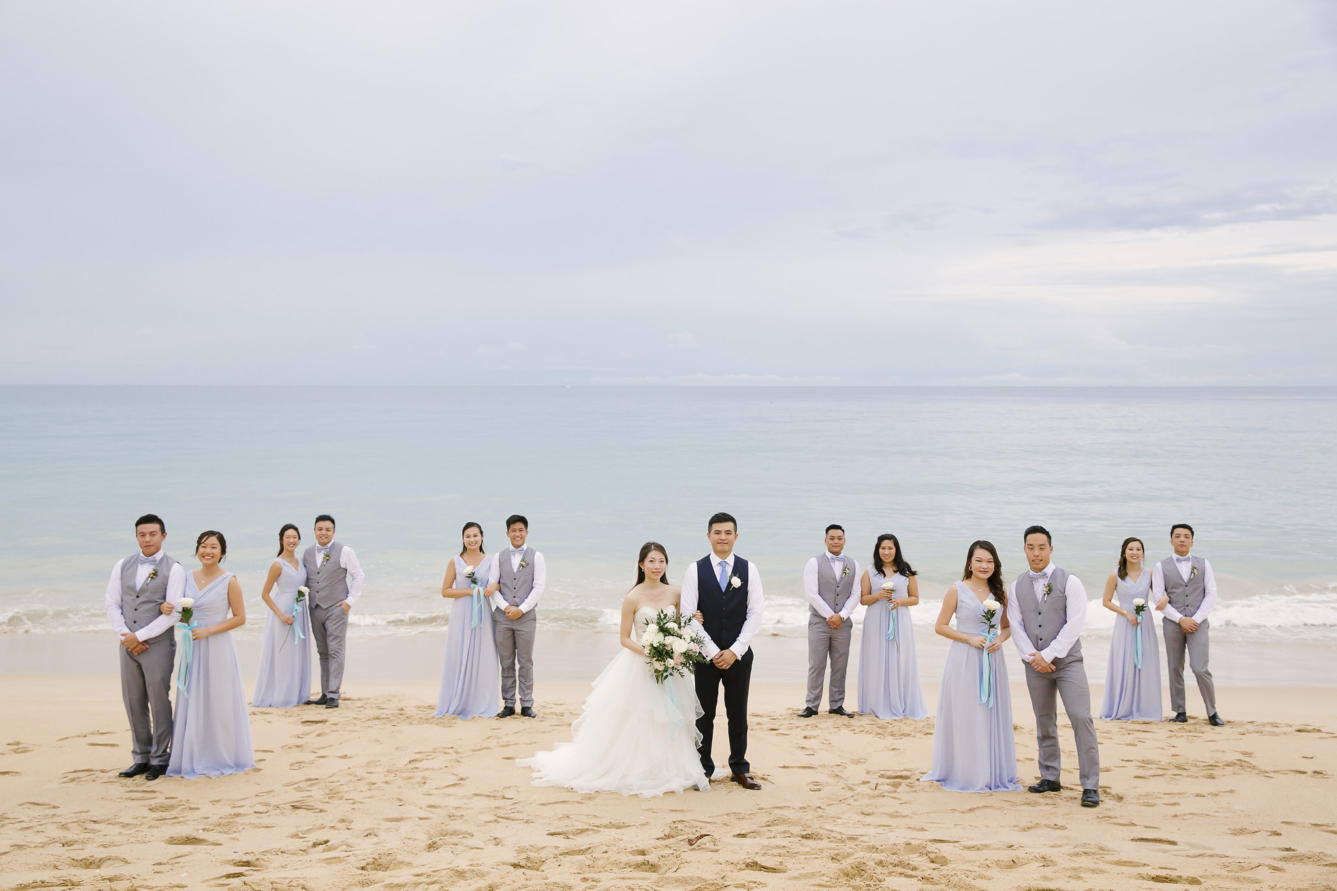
{"type": "Point", "coordinates": [671, 648]}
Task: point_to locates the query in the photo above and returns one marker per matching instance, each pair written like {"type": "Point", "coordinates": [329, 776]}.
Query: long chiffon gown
{"type": "Point", "coordinates": [888, 672]}
{"type": "Point", "coordinates": [284, 678]}
{"type": "Point", "coordinates": [471, 678]}
{"type": "Point", "coordinates": [1132, 693]}
{"type": "Point", "coordinates": [634, 737]}
{"type": "Point", "coordinates": [973, 747]}
{"type": "Point", "coordinates": [211, 733]}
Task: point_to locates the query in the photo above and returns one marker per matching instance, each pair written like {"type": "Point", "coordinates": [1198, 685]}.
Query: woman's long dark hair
{"type": "Point", "coordinates": [898, 562]}
{"type": "Point", "coordinates": [472, 525]}
{"type": "Point", "coordinates": [995, 581]}
{"type": "Point", "coordinates": [646, 550]}
{"type": "Point", "coordinates": [1123, 554]}
{"type": "Point", "coordinates": [283, 532]}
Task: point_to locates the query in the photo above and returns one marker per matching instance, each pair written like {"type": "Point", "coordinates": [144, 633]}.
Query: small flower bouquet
{"type": "Point", "coordinates": [471, 576]}
{"type": "Point", "coordinates": [301, 593]}
{"type": "Point", "coordinates": [671, 649]}
{"type": "Point", "coordinates": [187, 607]}
{"type": "Point", "coordinates": [990, 613]}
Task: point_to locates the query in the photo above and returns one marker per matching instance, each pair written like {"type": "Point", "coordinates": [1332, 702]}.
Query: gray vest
{"type": "Point", "coordinates": [1185, 596]}
{"type": "Point", "coordinates": [834, 591]}
{"type": "Point", "coordinates": [515, 585]}
{"type": "Point", "coordinates": [141, 606]}
{"type": "Point", "coordinates": [1043, 621]}
{"type": "Point", "coordinates": [328, 582]}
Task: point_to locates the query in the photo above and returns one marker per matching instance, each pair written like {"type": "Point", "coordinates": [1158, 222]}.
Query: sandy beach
{"type": "Point", "coordinates": [381, 794]}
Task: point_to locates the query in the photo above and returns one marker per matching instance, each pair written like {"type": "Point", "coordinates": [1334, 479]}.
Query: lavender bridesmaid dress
{"type": "Point", "coordinates": [211, 734]}
{"type": "Point", "coordinates": [888, 672]}
{"type": "Point", "coordinates": [471, 678]}
{"type": "Point", "coordinates": [1132, 693]}
{"type": "Point", "coordinates": [973, 748]}
{"type": "Point", "coordinates": [284, 679]}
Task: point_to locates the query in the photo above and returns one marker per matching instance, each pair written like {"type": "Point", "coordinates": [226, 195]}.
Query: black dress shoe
{"type": "Point", "coordinates": [745, 780]}
{"type": "Point", "coordinates": [1090, 798]}
{"type": "Point", "coordinates": [527, 712]}
{"type": "Point", "coordinates": [1215, 720]}
{"type": "Point", "coordinates": [840, 710]}
{"type": "Point", "coordinates": [155, 771]}
{"type": "Point", "coordinates": [321, 701]}
{"type": "Point", "coordinates": [1179, 718]}
{"type": "Point", "coordinates": [1045, 786]}
{"type": "Point", "coordinates": [134, 770]}
{"type": "Point", "coordinates": [808, 712]}
{"type": "Point", "coordinates": [331, 703]}
{"type": "Point", "coordinates": [506, 712]}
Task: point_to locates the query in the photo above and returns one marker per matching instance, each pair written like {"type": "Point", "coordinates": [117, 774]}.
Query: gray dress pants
{"type": "Point", "coordinates": [515, 648]}
{"type": "Point", "coordinates": [146, 687]}
{"type": "Point", "coordinates": [329, 626]}
{"type": "Point", "coordinates": [1176, 641]}
{"type": "Point", "coordinates": [1068, 680]}
{"type": "Point", "coordinates": [826, 644]}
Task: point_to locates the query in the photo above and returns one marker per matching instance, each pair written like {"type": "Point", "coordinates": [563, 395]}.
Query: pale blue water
{"type": "Point", "coordinates": [600, 470]}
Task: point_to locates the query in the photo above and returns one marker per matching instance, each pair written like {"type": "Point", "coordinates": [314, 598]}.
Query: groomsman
{"type": "Point", "coordinates": [1184, 586]}
{"type": "Point", "coordinates": [829, 580]}
{"type": "Point", "coordinates": [335, 578]}
{"type": "Point", "coordinates": [1046, 608]}
{"type": "Point", "coordinates": [514, 586]}
{"type": "Point", "coordinates": [727, 590]}
{"type": "Point", "coordinates": [138, 587]}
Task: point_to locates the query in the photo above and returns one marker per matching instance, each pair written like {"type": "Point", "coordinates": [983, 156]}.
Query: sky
{"type": "Point", "coordinates": [839, 193]}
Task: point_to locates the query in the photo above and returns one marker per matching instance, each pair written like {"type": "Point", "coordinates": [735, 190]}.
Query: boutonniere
{"type": "Point", "coordinates": [844, 571]}
{"type": "Point", "coordinates": [735, 582]}
{"type": "Point", "coordinates": [1044, 594]}
{"type": "Point", "coordinates": [153, 574]}
{"type": "Point", "coordinates": [1192, 572]}
{"type": "Point", "coordinates": [324, 558]}
{"type": "Point", "coordinates": [523, 562]}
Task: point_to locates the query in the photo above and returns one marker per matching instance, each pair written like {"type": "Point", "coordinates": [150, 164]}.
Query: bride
{"type": "Point", "coordinates": [635, 736]}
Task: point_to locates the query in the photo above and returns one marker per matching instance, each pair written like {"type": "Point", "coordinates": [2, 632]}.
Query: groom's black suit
{"type": "Point", "coordinates": [723, 614]}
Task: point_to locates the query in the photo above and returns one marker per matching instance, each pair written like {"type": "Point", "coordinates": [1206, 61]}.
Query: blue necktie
{"type": "Point", "coordinates": [724, 576]}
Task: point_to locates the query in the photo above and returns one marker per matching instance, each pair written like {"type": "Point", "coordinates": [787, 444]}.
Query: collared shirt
{"type": "Point", "coordinates": [349, 563]}
{"type": "Point", "coordinates": [691, 595]}
{"type": "Point", "coordinates": [540, 578]}
{"type": "Point", "coordinates": [810, 586]}
{"type": "Point", "coordinates": [1072, 625]}
{"type": "Point", "coordinates": [176, 588]}
{"type": "Point", "coordinates": [1185, 571]}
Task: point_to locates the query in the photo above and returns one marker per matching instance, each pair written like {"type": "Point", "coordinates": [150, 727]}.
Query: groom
{"type": "Point", "coordinates": [335, 578]}
{"type": "Point", "coordinates": [138, 587]}
{"type": "Point", "coordinates": [727, 591]}
{"type": "Point", "coordinates": [1046, 608]}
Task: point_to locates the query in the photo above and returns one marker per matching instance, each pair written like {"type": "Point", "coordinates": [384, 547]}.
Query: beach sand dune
{"type": "Point", "coordinates": [381, 794]}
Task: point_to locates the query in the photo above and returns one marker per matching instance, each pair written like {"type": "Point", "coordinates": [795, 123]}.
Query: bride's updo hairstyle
{"type": "Point", "coordinates": [646, 550]}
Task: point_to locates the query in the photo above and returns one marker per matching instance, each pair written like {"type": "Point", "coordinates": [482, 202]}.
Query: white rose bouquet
{"type": "Point", "coordinates": [670, 647]}
{"type": "Point", "coordinates": [187, 607]}
{"type": "Point", "coordinates": [1139, 607]}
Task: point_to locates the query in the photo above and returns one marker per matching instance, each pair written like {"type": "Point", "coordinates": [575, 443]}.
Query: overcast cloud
{"type": "Point", "coordinates": [858, 193]}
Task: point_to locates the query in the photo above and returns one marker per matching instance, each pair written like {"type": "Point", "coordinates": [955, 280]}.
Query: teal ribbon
{"type": "Point", "coordinates": [1137, 640]}
{"type": "Point", "coordinates": [187, 655]}
{"type": "Point", "coordinates": [674, 710]}
{"type": "Point", "coordinates": [298, 609]}
{"type": "Point", "coordinates": [987, 680]}
{"type": "Point", "coordinates": [891, 621]}
{"type": "Point", "coordinates": [477, 618]}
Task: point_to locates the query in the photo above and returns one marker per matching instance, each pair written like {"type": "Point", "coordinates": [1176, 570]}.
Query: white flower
{"type": "Point", "coordinates": [659, 666]}
{"type": "Point", "coordinates": [692, 647]}
{"type": "Point", "coordinates": [304, 590]}
{"type": "Point", "coordinates": [186, 602]}
{"type": "Point", "coordinates": [1138, 601]}
{"type": "Point", "coordinates": [678, 645]}
{"type": "Point", "coordinates": [991, 605]}
{"type": "Point", "coordinates": [888, 586]}
{"type": "Point", "coordinates": [671, 626]}
{"type": "Point", "coordinates": [651, 636]}
{"type": "Point", "coordinates": [735, 582]}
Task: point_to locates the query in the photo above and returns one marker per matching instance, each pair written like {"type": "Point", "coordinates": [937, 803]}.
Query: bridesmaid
{"type": "Point", "coordinates": [212, 732]}
{"type": "Point", "coordinates": [284, 679]}
{"type": "Point", "coordinates": [888, 672]}
{"type": "Point", "coordinates": [1132, 692]}
{"type": "Point", "coordinates": [973, 748]}
{"type": "Point", "coordinates": [471, 679]}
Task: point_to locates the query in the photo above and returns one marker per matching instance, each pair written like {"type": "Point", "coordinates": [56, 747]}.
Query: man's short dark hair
{"type": "Point", "coordinates": [326, 518]}
{"type": "Point", "coordinates": [835, 526]}
{"type": "Point", "coordinates": [150, 519]}
{"type": "Point", "coordinates": [1037, 530]}
{"type": "Point", "coordinates": [516, 518]}
{"type": "Point", "coordinates": [1182, 526]}
{"type": "Point", "coordinates": [721, 517]}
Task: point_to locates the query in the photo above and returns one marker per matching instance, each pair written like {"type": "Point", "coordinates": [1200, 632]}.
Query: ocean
{"type": "Point", "coordinates": [598, 471]}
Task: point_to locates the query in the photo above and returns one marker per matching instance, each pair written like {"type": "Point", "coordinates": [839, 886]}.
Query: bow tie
{"type": "Point", "coordinates": [148, 561]}
{"type": "Point", "coordinates": [1179, 559]}
{"type": "Point", "coordinates": [1035, 576]}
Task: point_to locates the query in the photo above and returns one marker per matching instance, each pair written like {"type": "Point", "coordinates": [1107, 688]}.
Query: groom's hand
{"type": "Point", "coordinates": [1188, 624]}
{"type": "Point", "coordinates": [1039, 664]}
{"type": "Point", "coordinates": [835, 621]}
{"type": "Point", "coordinates": [129, 641]}
{"type": "Point", "coordinates": [724, 658]}
{"type": "Point", "coordinates": [514, 612]}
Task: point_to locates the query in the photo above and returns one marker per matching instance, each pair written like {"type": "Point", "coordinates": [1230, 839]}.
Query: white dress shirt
{"type": "Point", "coordinates": [815, 599]}
{"type": "Point", "coordinates": [347, 562]}
{"type": "Point", "coordinates": [1072, 626]}
{"type": "Point", "coordinates": [176, 588]}
{"type": "Point", "coordinates": [1185, 567]}
{"type": "Point", "coordinates": [540, 578]}
{"type": "Point", "coordinates": [691, 595]}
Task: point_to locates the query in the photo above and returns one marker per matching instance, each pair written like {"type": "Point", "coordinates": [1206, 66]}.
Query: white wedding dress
{"type": "Point", "coordinates": [634, 736]}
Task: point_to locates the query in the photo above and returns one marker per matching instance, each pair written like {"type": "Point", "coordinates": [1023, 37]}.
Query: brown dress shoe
{"type": "Point", "coordinates": [745, 780]}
